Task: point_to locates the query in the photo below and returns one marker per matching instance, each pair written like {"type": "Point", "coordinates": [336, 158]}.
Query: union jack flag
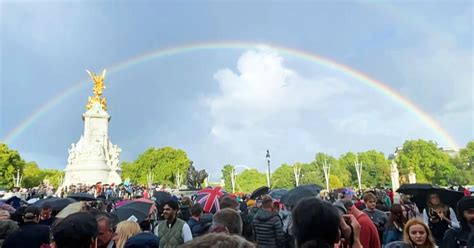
{"type": "Point", "coordinates": [208, 198]}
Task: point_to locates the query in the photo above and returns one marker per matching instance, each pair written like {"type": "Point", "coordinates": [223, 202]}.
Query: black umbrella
{"type": "Point", "coordinates": [161, 197]}
{"type": "Point", "coordinates": [82, 197]}
{"type": "Point", "coordinates": [259, 192]}
{"type": "Point", "coordinates": [277, 193]}
{"type": "Point", "coordinates": [303, 191]}
{"type": "Point", "coordinates": [56, 203]}
{"type": "Point", "coordinates": [421, 191]}
{"type": "Point", "coordinates": [134, 210]}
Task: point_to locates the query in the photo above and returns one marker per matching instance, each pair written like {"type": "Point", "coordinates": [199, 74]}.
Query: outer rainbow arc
{"type": "Point", "coordinates": [241, 45]}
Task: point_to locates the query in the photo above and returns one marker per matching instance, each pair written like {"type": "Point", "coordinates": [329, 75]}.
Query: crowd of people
{"type": "Point", "coordinates": [344, 219]}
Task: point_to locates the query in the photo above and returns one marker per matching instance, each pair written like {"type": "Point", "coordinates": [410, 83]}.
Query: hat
{"type": "Point", "coordinates": [143, 240]}
{"type": "Point", "coordinates": [467, 202]}
{"type": "Point", "coordinates": [31, 212]}
{"type": "Point", "coordinates": [251, 203]}
{"type": "Point", "coordinates": [75, 228]}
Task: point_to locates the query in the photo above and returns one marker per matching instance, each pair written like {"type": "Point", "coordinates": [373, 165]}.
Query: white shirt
{"type": "Point", "coordinates": [452, 217]}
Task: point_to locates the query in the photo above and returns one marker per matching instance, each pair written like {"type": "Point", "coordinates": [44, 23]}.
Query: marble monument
{"type": "Point", "coordinates": [94, 158]}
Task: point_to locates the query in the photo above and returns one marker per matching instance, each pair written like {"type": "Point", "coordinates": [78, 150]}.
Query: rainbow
{"type": "Point", "coordinates": [378, 86]}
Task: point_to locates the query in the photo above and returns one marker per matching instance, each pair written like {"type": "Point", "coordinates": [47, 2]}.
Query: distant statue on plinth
{"type": "Point", "coordinates": [194, 178]}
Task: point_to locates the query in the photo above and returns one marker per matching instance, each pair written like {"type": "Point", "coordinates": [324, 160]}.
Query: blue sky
{"type": "Point", "coordinates": [228, 106]}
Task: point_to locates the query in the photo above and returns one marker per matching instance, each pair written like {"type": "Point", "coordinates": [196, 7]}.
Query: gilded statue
{"type": "Point", "coordinates": [98, 89]}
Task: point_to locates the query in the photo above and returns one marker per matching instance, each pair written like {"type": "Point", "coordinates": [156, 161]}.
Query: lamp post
{"type": "Point", "coordinates": [232, 178]}
{"type": "Point", "coordinates": [358, 167]}
{"type": "Point", "coordinates": [268, 167]}
{"type": "Point", "coordinates": [327, 172]}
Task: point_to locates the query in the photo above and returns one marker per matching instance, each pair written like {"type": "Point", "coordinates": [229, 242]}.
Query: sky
{"type": "Point", "coordinates": [229, 104]}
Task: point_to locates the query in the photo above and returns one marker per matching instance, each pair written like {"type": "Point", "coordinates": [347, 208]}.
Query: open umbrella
{"type": "Point", "coordinates": [303, 191]}
{"type": "Point", "coordinates": [56, 203]}
{"type": "Point", "coordinates": [134, 210]}
{"type": "Point", "coordinates": [153, 206]}
{"type": "Point", "coordinates": [70, 209]}
{"type": "Point", "coordinates": [208, 198]}
{"type": "Point", "coordinates": [161, 197]}
{"type": "Point", "coordinates": [82, 197]}
{"type": "Point", "coordinates": [276, 194]}
{"type": "Point", "coordinates": [421, 191]}
{"type": "Point", "coordinates": [259, 192]}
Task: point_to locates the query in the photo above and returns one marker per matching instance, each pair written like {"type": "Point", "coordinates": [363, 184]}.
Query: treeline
{"type": "Point", "coordinates": [31, 175]}
{"type": "Point", "coordinates": [424, 158]}
{"type": "Point", "coordinates": [167, 165]}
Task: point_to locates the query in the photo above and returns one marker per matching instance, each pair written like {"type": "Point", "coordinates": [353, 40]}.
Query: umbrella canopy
{"type": "Point", "coordinates": [57, 204]}
{"type": "Point", "coordinates": [208, 198]}
{"type": "Point", "coordinates": [303, 191]}
{"type": "Point", "coordinates": [161, 197]}
{"type": "Point", "coordinates": [421, 191]}
{"type": "Point", "coordinates": [32, 200]}
{"type": "Point", "coordinates": [134, 210]}
{"type": "Point", "coordinates": [82, 197]}
{"type": "Point", "coordinates": [277, 193]}
{"type": "Point", "coordinates": [70, 209]}
{"type": "Point", "coordinates": [259, 192]}
{"type": "Point", "coordinates": [153, 207]}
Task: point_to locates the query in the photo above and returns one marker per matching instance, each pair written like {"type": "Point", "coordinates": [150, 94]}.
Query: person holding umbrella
{"type": "Point", "coordinates": [439, 217]}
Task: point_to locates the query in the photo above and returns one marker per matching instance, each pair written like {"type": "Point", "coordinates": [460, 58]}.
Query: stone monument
{"type": "Point", "coordinates": [94, 158]}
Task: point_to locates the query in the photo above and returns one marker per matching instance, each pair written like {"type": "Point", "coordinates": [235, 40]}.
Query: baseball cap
{"type": "Point", "coordinates": [31, 212]}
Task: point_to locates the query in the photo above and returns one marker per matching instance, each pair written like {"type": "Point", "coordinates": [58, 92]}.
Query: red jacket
{"type": "Point", "coordinates": [369, 236]}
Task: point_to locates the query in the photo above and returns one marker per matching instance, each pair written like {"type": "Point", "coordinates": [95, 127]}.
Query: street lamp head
{"type": "Point", "coordinates": [268, 156]}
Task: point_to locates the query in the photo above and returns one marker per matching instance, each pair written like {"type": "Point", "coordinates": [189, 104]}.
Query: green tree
{"type": "Point", "coordinates": [10, 162]}
{"type": "Point", "coordinates": [162, 163]}
{"type": "Point", "coordinates": [249, 180]}
{"type": "Point", "coordinates": [310, 174]}
{"type": "Point", "coordinates": [346, 161]}
{"type": "Point", "coordinates": [53, 176]}
{"type": "Point", "coordinates": [428, 162]}
{"type": "Point", "coordinates": [283, 177]}
{"type": "Point", "coordinates": [226, 176]}
{"type": "Point", "coordinates": [32, 175]}
{"type": "Point", "coordinates": [463, 166]}
{"type": "Point", "coordinates": [335, 182]}
{"type": "Point", "coordinates": [375, 168]}
{"type": "Point", "coordinates": [336, 169]}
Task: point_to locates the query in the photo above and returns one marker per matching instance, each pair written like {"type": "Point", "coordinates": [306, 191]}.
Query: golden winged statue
{"type": "Point", "coordinates": [98, 89]}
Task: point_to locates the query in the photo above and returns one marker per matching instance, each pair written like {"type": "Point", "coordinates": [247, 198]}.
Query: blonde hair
{"type": "Point", "coordinates": [125, 230]}
{"type": "Point", "coordinates": [219, 240]}
{"type": "Point", "coordinates": [429, 242]}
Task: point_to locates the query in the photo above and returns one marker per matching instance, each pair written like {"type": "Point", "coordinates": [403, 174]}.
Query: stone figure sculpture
{"type": "Point", "coordinates": [194, 178]}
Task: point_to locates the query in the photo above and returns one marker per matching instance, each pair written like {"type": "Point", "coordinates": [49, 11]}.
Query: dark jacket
{"type": "Point", "coordinates": [31, 234]}
{"type": "Point", "coordinates": [455, 238]}
{"type": "Point", "coordinates": [198, 227]}
{"type": "Point", "coordinates": [7, 227]}
{"type": "Point", "coordinates": [268, 229]}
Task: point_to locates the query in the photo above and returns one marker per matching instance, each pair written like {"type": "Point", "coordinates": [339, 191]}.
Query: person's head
{"type": "Point", "coordinates": [267, 203]}
{"type": "Point", "coordinates": [78, 230]}
{"type": "Point", "coordinates": [219, 240]}
{"type": "Point", "coordinates": [417, 233]}
{"type": "Point", "coordinates": [143, 240]}
{"type": "Point", "coordinates": [4, 215]}
{"type": "Point", "coordinates": [196, 211]}
{"type": "Point", "coordinates": [170, 208]}
{"type": "Point", "coordinates": [46, 211]}
{"type": "Point", "coordinates": [229, 219]}
{"type": "Point", "coordinates": [186, 201]}
{"type": "Point", "coordinates": [32, 214]}
{"type": "Point", "coordinates": [229, 202]}
{"type": "Point", "coordinates": [465, 212]}
{"type": "Point", "coordinates": [106, 230]}
{"type": "Point", "coordinates": [433, 199]}
{"type": "Point", "coordinates": [125, 230]}
{"type": "Point", "coordinates": [370, 201]}
{"type": "Point", "coordinates": [308, 217]}
{"type": "Point", "coordinates": [396, 216]}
